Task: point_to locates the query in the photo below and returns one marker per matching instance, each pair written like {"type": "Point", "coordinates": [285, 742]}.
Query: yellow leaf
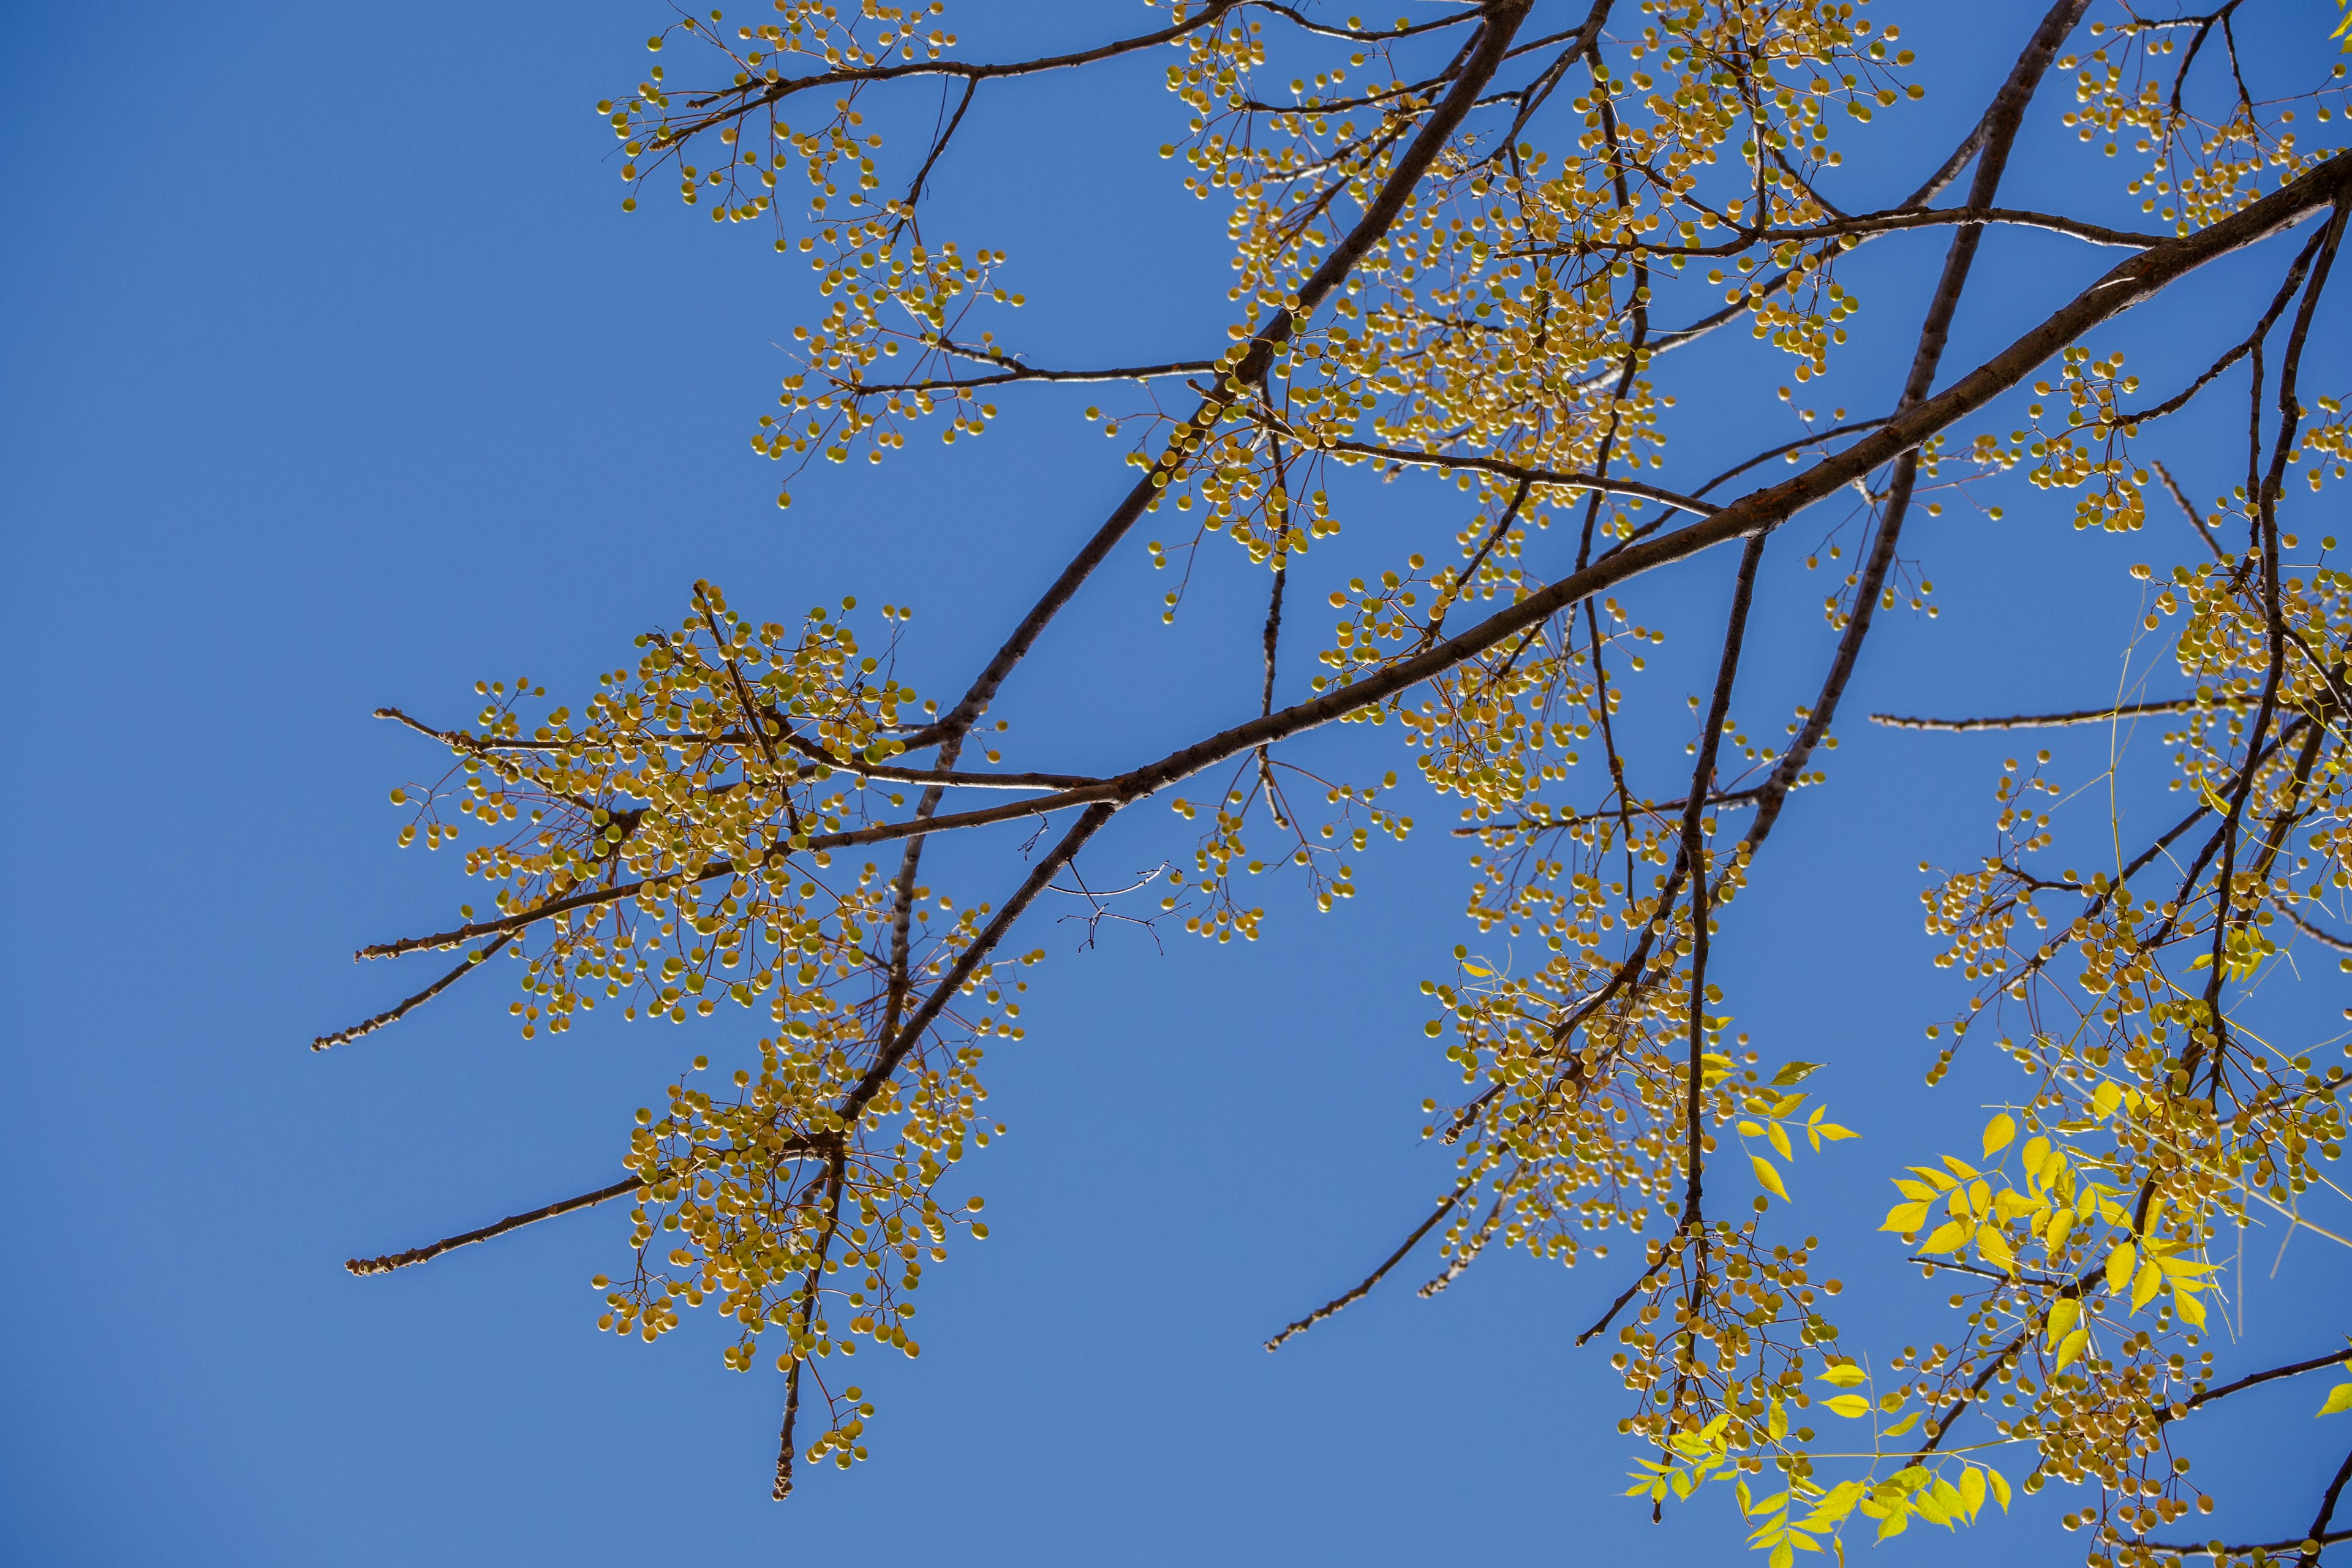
{"type": "Point", "coordinates": [1993, 1247]}
{"type": "Point", "coordinates": [2011, 1204]}
{"type": "Point", "coordinates": [2186, 1302]}
{"type": "Point", "coordinates": [1902, 1426]}
{"type": "Point", "coordinates": [1777, 1423]}
{"type": "Point", "coordinates": [2338, 1400]}
{"type": "Point", "coordinates": [1972, 1492]}
{"type": "Point", "coordinates": [1904, 1218]}
{"type": "Point", "coordinates": [2055, 1234]}
{"type": "Point", "coordinates": [1475, 969]}
{"type": "Point", "coordinates": [1751, 1130]}
{"type": "Point", "coordinates": [1782, 1556]}
{"type": "Point", "coordinates": [2036, 1150]}
{"type": "Point", "coordinates": [1832, 1132]}
{"type": "Point", "coordinates": [1948, 1237]}
{"type": "Point", "coordinates": [2149, 1280]}
{"type": "Point", "coordinates": [1935, 1178]}
{"type": "Point", "coordinates": [1896, 1521]}
{"type": "Point", "coordinates": [1918, 1190]}
{"type": "Point", "coordinates": [2070, 1350]}
{"type": "Point", "coordinates": [1963, 1172]}
{"type": "Point", "coordinates": [1770, 1177]}
{"type": "Point", "coordinates": [2119, 1265]}
{"type": "Point", "coordinates": [1779, 1137]}
{"type": "Point", "coordinates": [2104, 1099]}
{"type": "Point", "coordinates": [1853, 1406]}
{"type": "Point", "coordinates": [1845, 1375]}
{"type": "Point", "coordinates": [2000, 1486]}
{"type": "Point", "coordinates": [1998, 1133]}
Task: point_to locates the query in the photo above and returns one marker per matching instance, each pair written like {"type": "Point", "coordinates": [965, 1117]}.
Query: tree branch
{"type": "Point", "coordinates": [2039, 721]}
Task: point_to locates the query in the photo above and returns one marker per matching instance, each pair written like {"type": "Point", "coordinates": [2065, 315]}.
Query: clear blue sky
{"type": "Point", "coordinates": [336, 377]}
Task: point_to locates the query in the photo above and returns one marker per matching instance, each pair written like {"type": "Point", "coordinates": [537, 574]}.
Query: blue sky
{"type": "Point", "coordinates": [339, 379]}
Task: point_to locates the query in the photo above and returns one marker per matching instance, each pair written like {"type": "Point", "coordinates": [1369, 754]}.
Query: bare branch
{"type": "Point", "coordinates": [426, 1254]}
{"type": "Point", "coordinates": [1445, 1206]}
{"type": "Point", "coordinates": [2038, 720]}
{"type": "Point", "coordinates": [396, 1014]}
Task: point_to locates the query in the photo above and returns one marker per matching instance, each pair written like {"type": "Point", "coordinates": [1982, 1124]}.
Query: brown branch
{"type": "Point", "coordinates": [1445, 1206]}
{"type": "Point", "coordinates": [2292, 1369]}
{"type": "Point", "coordinates": [2262, 330]}
{"type": "Point", "coordinates": [836, 1170]}
{"type": "Point", "coordinates": [1894, 219]}
{"type": "Point", "coordinates": [2326, 939]}
{"type": "Point", "coordinates": [396, 1014]}
{"type": "Point", "coordinates": [1016, 372]}
{"type": "Point", "coordinates": [1465, 1251]}
{"type": "Point", "coordinates": [2318, 1534]}
{"type": "Point", "coordinates": [2002, 120]}
{"type": "Point", "coordinates": [757, 94]}
{"type": "Point", "coordinates": [1695, 852]}
{"type": "Point", "coordinates": [938, 146]}
{"type": "Point", "coordinates": [2038, 720]}
{"type": "Point", "coordinates": [1665, 1257]}
{"type": "Point", "coordinates": [1593, 481]}
{"type": "Point", "coordinates": [1736, 797]}
{"type": "Point", "coordinates": [1785, 449]}
{"type": "Point", "coordinates": [1481, 58]}
{"type": "Point", "coordinates": [2243, 1549]}
{"type": "Point", "coordinates": [391, 1260]}
{"type": "Point", "coordinates": [2187, 510]}
{"type": "Point", "coordinates": [886, 1060]}
{"type": "Point", "coordinates": [2135, 282]}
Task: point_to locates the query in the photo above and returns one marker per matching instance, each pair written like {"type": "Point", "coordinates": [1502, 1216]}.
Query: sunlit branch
{"type": "Point", "coordinates": [1483, 56]}
{"type": "Point", "coordinates": [2279, 303]}
{"type": "Point", "coordinates": [1445, 1206]}
{"type": "Point", "coordinates": [2040, 720]}
{"type": "Point", "coordinates": [1785, 449]}
{"type": "Point", "coordinates": [739, 101]}
{"type": "Point", "coordinates": [1510, 471]}
{"type": "Point", "coordinates": [2243, 1549]}
{"type": "Point", "coordinates": [2173, 487]}
{"type": "Point", "coordinates": [1896, 218]}
{"type": "Point", "coordinates": [1016, 372]}
{"type": "Point", "coordinates": [395, 1014]}
{"type": "Point", "coordinates": [390, 1261]}
{"type": "Point", "coordinates": [1733, 798]}
{"type": "Point", "coordinates": [2292, 1369]}
{"type": "Point", "coordinates": [2136, 279]}
{"type": "Point", "coordinates": [2007, 115]}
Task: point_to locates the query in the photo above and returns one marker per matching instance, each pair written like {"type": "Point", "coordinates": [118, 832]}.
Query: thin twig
{"type": "Point", "coordinates": [396, 1014]}
{"type": "Point", "coordinates": [1445, 1206]}
{"type": "Point", "coordinates": [2037, 720]}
